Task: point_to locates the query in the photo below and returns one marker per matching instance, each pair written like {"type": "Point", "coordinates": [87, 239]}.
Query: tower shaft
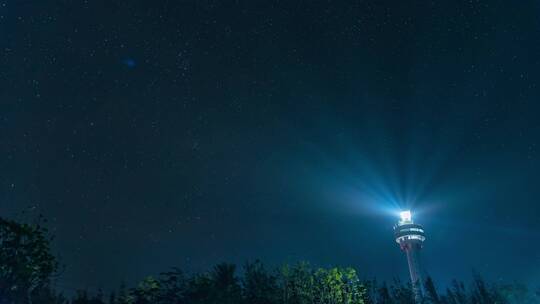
{"type": "Point", "coordinates": [412, 251]}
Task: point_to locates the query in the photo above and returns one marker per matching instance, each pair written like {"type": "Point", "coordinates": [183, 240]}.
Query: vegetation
{"type": "Point", "coordinates": [27, 267]}
{"type": "Point", "coordinates": [26, 264]}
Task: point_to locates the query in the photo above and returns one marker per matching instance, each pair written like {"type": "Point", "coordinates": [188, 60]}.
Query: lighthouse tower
{"type": "Point", "coordinates": [410, 237]}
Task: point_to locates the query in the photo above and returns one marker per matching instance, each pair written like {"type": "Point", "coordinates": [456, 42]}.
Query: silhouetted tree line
{"type": "Point", "coordinates": [27, 268]}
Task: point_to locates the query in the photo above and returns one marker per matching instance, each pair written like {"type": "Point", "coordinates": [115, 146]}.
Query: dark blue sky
{"type": "Point", "coordinates": [184, 133]}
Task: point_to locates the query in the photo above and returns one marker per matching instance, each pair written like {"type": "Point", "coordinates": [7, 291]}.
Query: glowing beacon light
{"type": "Point", "coordinates": [410, 237]}
{"type": "Point", "coordinates": [406, 216]}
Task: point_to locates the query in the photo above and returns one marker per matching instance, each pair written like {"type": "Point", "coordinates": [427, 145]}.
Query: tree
{"type": "Point", "coordinates": [517, 293]}
{"type": "Point", "coordinates": [370, 294]}
{"type": "Point", "coordinates": [339, 286]}
{"type": "Point", "coordinates": [329, 286]}
{"type": "Point", "coordinates": [226, 287]}
{"type": "Point", "coordinates": [112, 298]}
{"type": "Point", "coordinates": [26, 264]}
{"type": "Point", "coordinates": [123, 297]}
{"type": "Point", "coordinates": [297, 284]}
{"type": "Point", "coordinates": [458, 293]}
{"type": "Point", "coordinates": [48, 296]}
{"type": "Point", "coordinates": [384, 296]}
{"type": "Point", "coordinates": [199, 290]}
{"type": "Point", "coordinates": [431, 297]}
{"type": "Point", "coordinates": [480, 293]}
{"type": "Point", "coordinates": [220, 286]}
{"type": "Point", "coordinates": [173, 286]}
{"type": "Point", "coordinates": [81, 297]}
{"type": "Point", "coordinates": [301, 284]}
{"type": "Point", "coordinates": [403, 294]}
{"type": "Point", "coordinates": [147, 292]}
{"type": "Point", "coordinates": [259, 286]}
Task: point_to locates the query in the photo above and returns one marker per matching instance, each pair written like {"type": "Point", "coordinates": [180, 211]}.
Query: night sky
{"type": "Point", "coordinates": [154, 134]}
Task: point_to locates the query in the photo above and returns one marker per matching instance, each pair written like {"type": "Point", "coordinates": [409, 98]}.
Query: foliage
{"type": "Point", "coordinates": [431, 295]}
{"type": "Point", "coordinates": [402, 293]}
{"type": "Point", "coordinates": [26, 268]}
{"type": "Point", "coordinates": [26, 264]}
{"type": "Point", "coordinates": [301, 284]}
{"type": "Point", "coordinates": [259, 286]}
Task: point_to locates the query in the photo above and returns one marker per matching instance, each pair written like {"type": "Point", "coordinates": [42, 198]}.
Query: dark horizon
{"type": "Point", "coordinates": [154, 134]}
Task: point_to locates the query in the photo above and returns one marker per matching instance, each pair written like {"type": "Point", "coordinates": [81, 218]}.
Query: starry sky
{"type": "Point", "coordinates": [165, 133]}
